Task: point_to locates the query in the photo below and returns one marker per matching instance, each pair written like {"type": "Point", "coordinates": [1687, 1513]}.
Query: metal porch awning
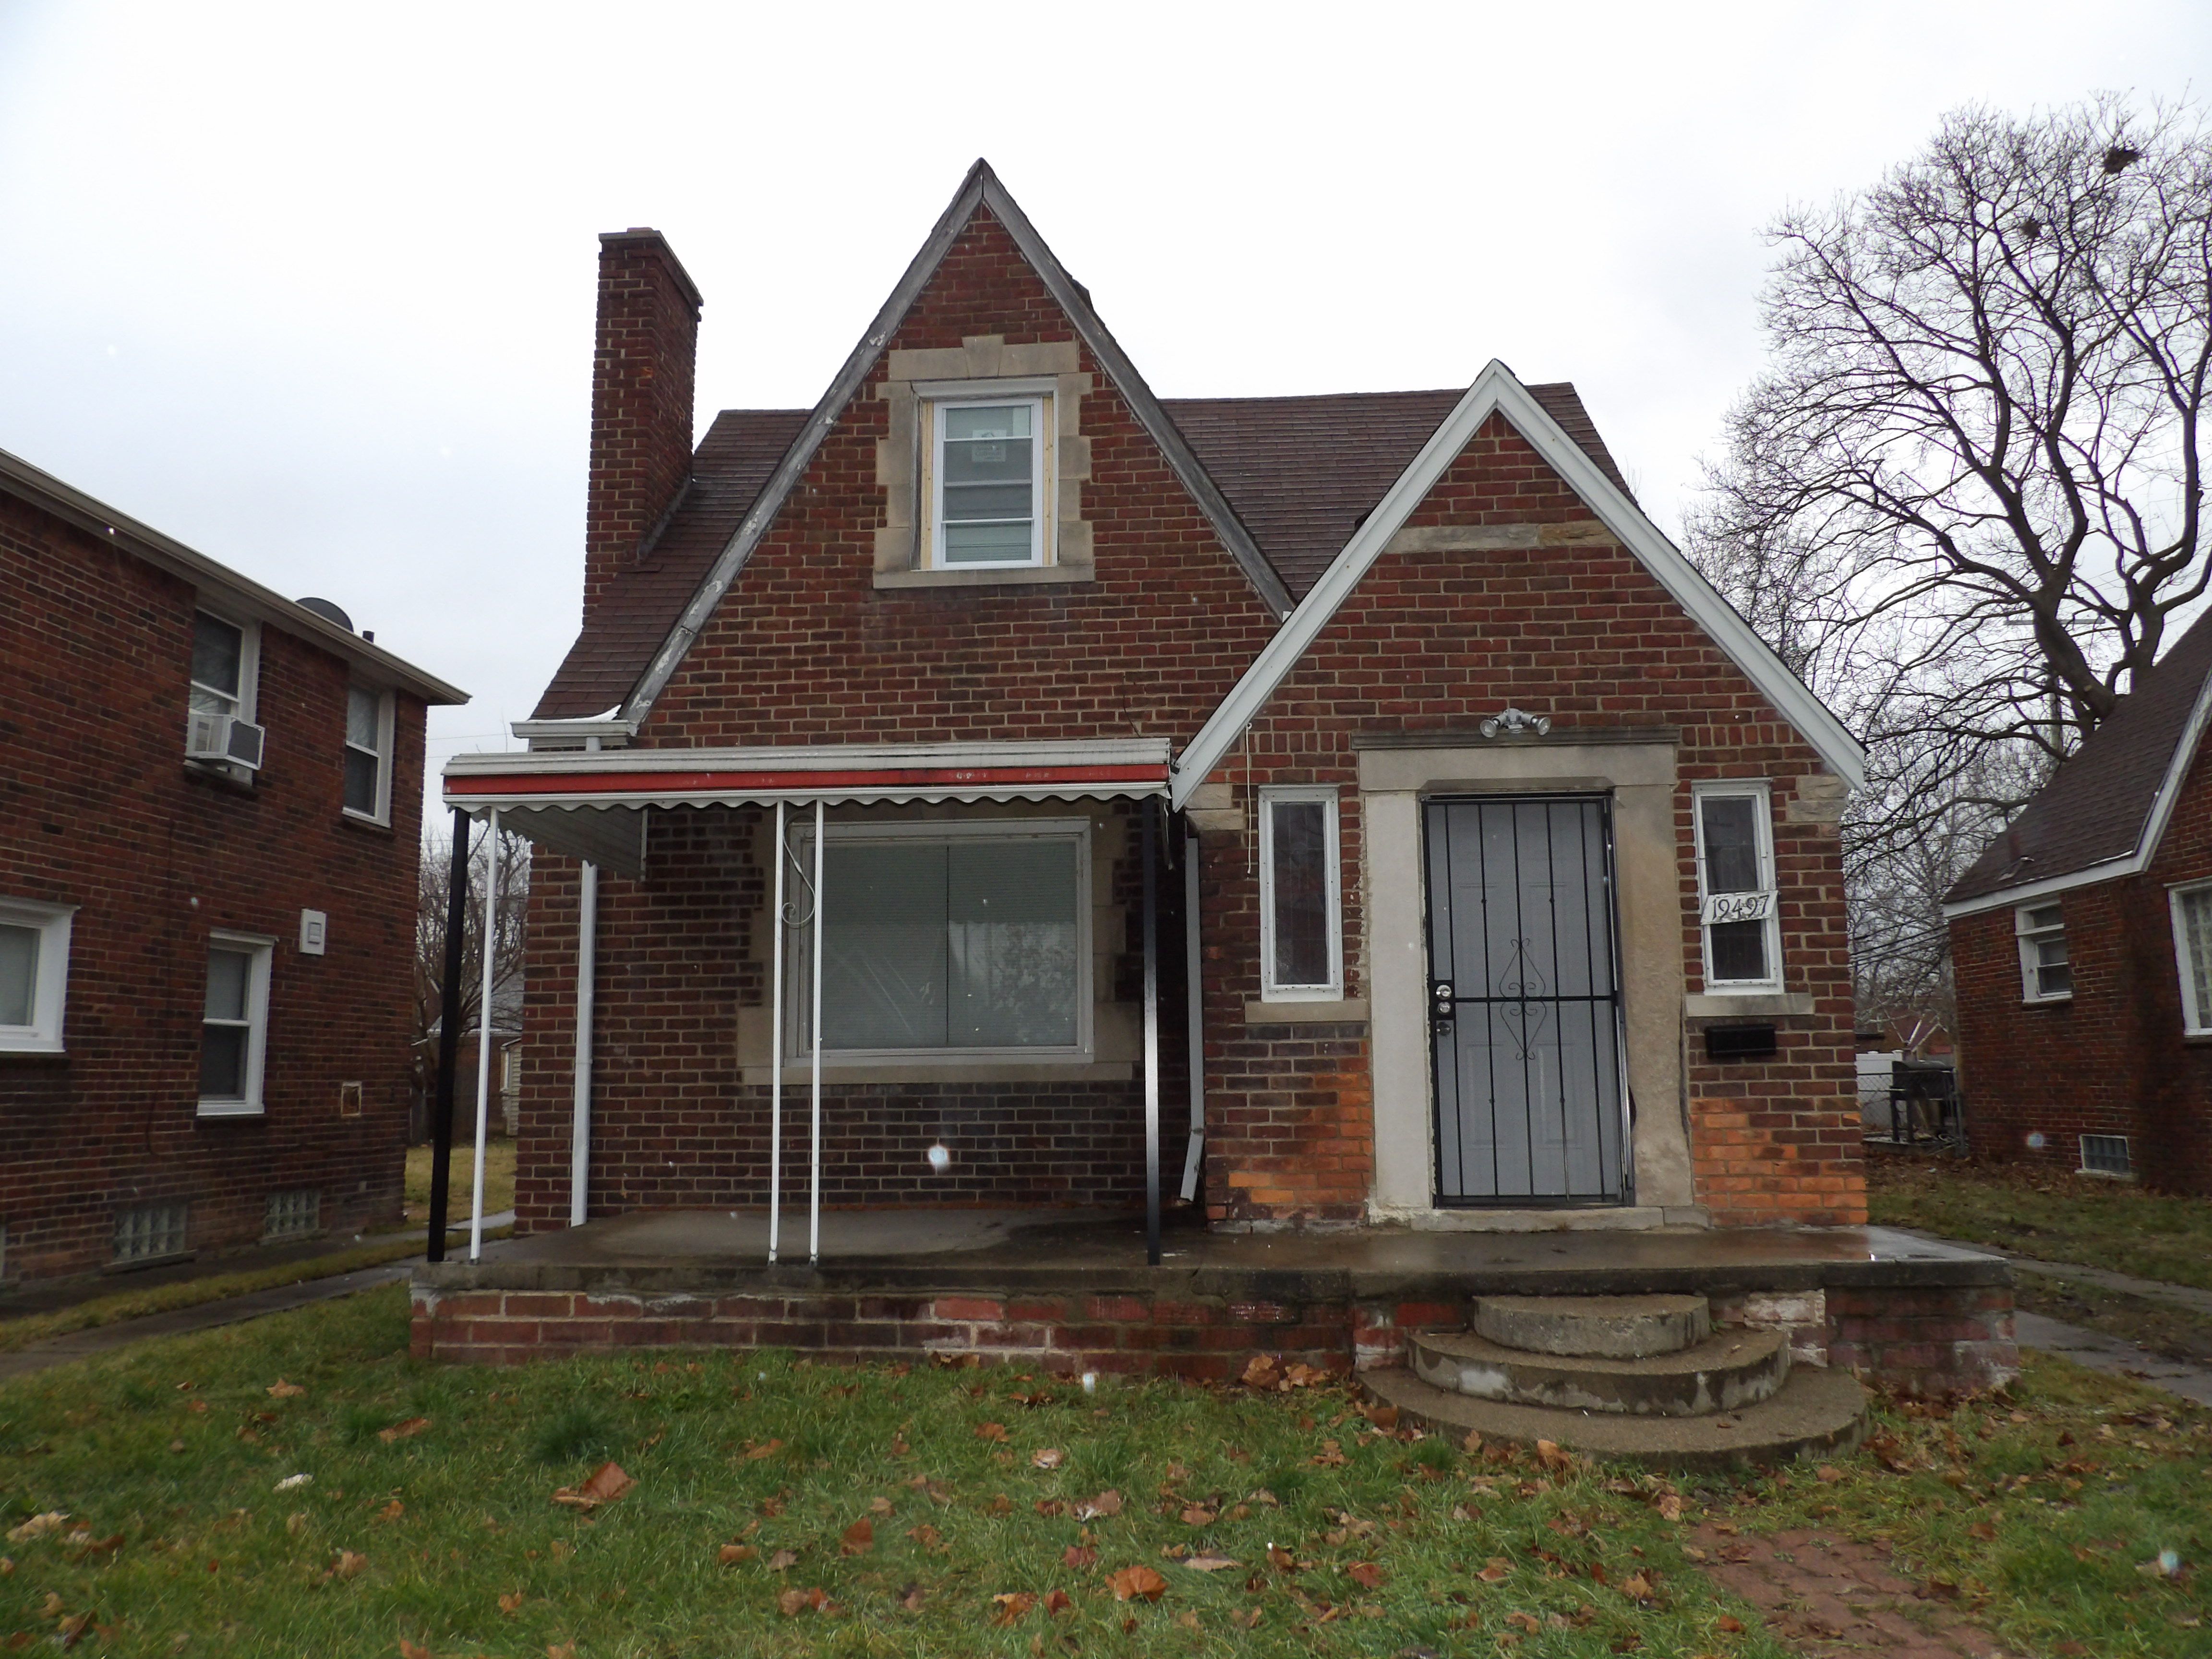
{"type": "Point", "coordinates": [591, 804]}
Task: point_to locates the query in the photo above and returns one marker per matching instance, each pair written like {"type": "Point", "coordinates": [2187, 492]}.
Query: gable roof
{"type": "Point", "coordinates": [2102, 813]}
{"type": "Point", "coordinates": [18, 477]}
{"type": "Point", "coordinates": [1299, 472]}
{"type": "Point", "coordinates": [1496, 391]}
{"type": "Point", "coordinates": [980, 191]}
{"type": "Point", "coordinates": [1302, 472]}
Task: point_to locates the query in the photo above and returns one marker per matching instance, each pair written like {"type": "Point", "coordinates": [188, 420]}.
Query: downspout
{"type": "Point", "coordinates": [1194, 1010]}
{"type": "Point", "coordinates": [587, 942]}
{"type": "Point", "coordinates": [490, 951]}
{"type": "Point", "coordinates": [1148, 853]}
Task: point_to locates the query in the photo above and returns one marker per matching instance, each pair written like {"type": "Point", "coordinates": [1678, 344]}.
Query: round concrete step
{"type": "Point", "coordinates": [1817, 1411]}
{"type": "Point", "coordinates": [1604, 1326]}
{"type": "Point", "coordinates": [1726, 1372]}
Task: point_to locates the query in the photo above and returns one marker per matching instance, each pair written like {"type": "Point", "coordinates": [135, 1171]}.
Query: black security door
{"type": "Point", "coordinates": [1524, 1009]}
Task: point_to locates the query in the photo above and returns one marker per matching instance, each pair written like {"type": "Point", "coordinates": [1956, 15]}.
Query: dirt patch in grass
{"type": "Point", "coordinates": [498, 1180]}
{"type": "Point", "coordinates": [2057, 1218]}
{"type": "Point", "coordinates": [1837, 1597]}
{"type": "Point", "coordinates": [2175, 1333]}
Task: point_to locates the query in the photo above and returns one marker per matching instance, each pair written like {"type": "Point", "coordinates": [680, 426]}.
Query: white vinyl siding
{"type": "Point", "coordinates": [1737, 903]}
{"type": "Point", "coordinates": [1301, 907]}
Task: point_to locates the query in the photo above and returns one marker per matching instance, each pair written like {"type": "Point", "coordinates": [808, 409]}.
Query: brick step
{"type": "Point", "coordinates": [1725, 1372]}
{"type": "Point", "coordinates": [1605, 1327]}
{"type": "Point", "coordinates": [1817, 1411]}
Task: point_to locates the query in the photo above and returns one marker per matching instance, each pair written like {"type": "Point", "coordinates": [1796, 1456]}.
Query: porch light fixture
{"type": "Point", "coordinates": [1515, 723]}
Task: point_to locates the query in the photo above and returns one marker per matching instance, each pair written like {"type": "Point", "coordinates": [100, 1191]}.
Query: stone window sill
{"type": "Point", "coordinates": [1014, 576]}
{"type": "Point", "coordinates": [1768, 1006]}
{"type": "Point", "coordinates": [1350, 1011]}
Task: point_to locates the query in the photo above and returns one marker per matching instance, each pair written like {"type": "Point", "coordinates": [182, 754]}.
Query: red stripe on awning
{"type": "Point", "coordinates": [801, 782]}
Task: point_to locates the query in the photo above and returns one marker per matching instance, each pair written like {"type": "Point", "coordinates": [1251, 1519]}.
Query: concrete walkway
{"type": "Point", "coordinates": [227, 1311]}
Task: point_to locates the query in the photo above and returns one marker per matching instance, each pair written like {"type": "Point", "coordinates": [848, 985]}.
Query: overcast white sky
{"type": "Point", "coordinates": [310, 287]}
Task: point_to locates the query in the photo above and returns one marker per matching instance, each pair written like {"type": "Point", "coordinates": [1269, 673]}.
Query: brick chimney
{"type": "Point", "coordinates": [643, 363]}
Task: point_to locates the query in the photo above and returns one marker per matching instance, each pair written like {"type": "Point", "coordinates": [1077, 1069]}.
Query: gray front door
{"type": "Point", "coordinates": [1524, 1011]}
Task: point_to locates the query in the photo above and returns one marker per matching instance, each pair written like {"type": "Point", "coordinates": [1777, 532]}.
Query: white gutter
{"type": "Point", "coordinates": [579, 1136]}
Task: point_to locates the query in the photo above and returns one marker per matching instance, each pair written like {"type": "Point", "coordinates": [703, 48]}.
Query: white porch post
{"type": "Point", "coordinates": [814, 1177]}
{"type": "Point", "coordinates": [484, 1031]}
{"type": "Point", "coordinates": [1151, 1037]}
{"type": "Point", "coordinates": [775, 1059]}
{"type": "Point", "coordinates": [580, 1134]}
{"type": "Point", "coordinates": [1194, 1017]}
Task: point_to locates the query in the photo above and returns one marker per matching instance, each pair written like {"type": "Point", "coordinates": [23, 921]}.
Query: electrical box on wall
{"type": "Point", "coordinates": [314, 932]}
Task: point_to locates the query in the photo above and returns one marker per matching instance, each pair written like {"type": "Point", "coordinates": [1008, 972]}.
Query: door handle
{"type": "Point", "coordinates": [1440, 1002]}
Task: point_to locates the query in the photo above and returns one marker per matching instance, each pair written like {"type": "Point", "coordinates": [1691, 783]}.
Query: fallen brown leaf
{"type": "Point", "coordinates": [730, 1555]}
{"type": "Point", "coordinates": [391, 1511]}
{"type": "Point", "coordinates": [280, 1389]}
{"type": "Point", "coordinates": [1281, 1559]}
{"type": "Point", "coordinates": [1050, 1458]}
{"type": "Point", "coordinates": [409, 1650]}
{"type": "Point", "coordinates": [1058, 1601]}
{"type": "Point", "coordinates": [1552, 1456]}
{"type": "Point", "coordinates": [1262, 1371]}
{"type": "Point", "coordinates": [407, 1431]}
{"type": "Point", "coordinates": [608, 1484]}
{"type": "Point", "coordinates": [511, 1603]}
{"type": "Point", "coordinates": [879, 1506]}
{"type": "Point", "coordinates": [1528, 1621]}
{"type": "Point", "coordinates": [925, 1535]}
{"type": "Point", "coordinates": [990, 1431]}
{"type": "Point", "coordinates": [348, 1566]}
{"type": "Point", "coordinates": [1107, 1503]}
{"type": "Point", "coordinates": [1247, 1619]}
{"type": "Point", "coordinates": [1078, 1557]}
{"type": "Point", "coordinates": [1137, 1583]}
{"type": "Point", "coordinates": [1011, 1606]}
{"type": "Point", "coordinates": [754, 1454]}
{"type": "Point", "coordinates": [783, 1560]}
{"type": "Point", "coordinates": [1368, 1575]}
{"type": "Point", "coordinates": [1209, 1563]}
{"type": "Point", "coordinates": [1331, 1455]}
{"type": "Point", "coordinates": [1473, 1444]}
{"type": "Point", "coordinates": [1495, 1569]}
{"type": "Point", "coordinates": [1197, 1515]}
{"type": "Point", "coordinates": [911, 1598]}
{"type": "Point", "coordinates": [560, 1650]}
{"type": "Point", "coordinates": [1729, 1625]}
{"type": "Point", "coordinates": [860, 1538]}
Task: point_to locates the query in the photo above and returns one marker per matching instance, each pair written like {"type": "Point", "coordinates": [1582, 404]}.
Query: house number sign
{"type": "Point", "coordinates": [1737, 907]}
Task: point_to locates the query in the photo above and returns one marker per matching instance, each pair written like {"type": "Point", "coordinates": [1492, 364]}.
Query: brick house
{"type": "Point", "coordinates": [2081, 949]}
{"type": "Point", "coordinates": [1352, 802]}
{"type": "Point", "coordinates": [209, 831]}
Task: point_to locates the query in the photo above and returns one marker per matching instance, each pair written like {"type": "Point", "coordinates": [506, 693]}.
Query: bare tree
{"type": "Point", "coordinates": [1964, 499]}
{"type": "Point", "coordinates": [431, 937]}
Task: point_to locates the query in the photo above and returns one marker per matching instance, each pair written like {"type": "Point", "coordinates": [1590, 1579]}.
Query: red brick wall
{"type": "Point", "coordinates": [643, 362]}
{"type": "Point", "coordinates": [2112, 1059]}
{"type": "Point", "coordinates": [98, 809]}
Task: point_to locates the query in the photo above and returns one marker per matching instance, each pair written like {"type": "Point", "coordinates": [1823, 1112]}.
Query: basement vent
{"type": "Point", "coordinates": [2106, 1155]}
{"type": "Point", "coordinates": [149, 1234]}
{"type": "Point", "coordinates": [293, 1215]}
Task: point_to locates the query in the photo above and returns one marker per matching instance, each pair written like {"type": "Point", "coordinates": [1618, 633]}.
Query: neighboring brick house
{"type": "Point", "coordinates": [2081, 949]}
{"type": "Point", "coordinates": [204, 996]}
{"type": "Point", "coordinates": [1375, 669]}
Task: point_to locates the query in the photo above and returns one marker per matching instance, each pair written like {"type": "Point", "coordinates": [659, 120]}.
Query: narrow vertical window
{"type": "Point", "coordinates": [1301, 934]}
{"type": "Point", "coordinates": [234, 1025]}
{"type": "Point", "coordinates": [367, 753]}
{"type": "Point", "coordinates": [218, 666]}
{"type": "Point", "coordinates": [1735, 889]}
{"type": "Point", "coordinates": [987, 470]}
{"type": "Point", "coordinates": [2045, 973]}
{"type": "Point", "coordinates": [219, 728]}
{"type": "Point", "coordinates": [2192, 954]}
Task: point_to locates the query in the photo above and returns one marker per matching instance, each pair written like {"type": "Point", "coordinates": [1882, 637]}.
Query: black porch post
{"type": "Point", "coordinates": [1152, 1043]}
{"type": "Point", "coordinates": [449, 1032]}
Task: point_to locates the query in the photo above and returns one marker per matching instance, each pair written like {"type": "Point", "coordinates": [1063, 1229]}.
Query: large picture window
{"type": "Point", "coordinates": [1736, 898]}
{"type": "Point", "coordinates": [1301, 918]}
{"type": "Point", "coordinates": [940, 939]}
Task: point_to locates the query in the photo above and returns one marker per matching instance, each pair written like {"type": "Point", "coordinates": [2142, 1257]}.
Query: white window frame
{"type": "Point", "coordinates": [385, 713]}
{"type": "Point", "coordinates": [1762, 794]}
{"type": "Point", "coordinates": [248, 699]}
{"type": "Point", "coordinates": [799, 968]}
{"type": "Point", "coordinates": [1332, 862]}
{"type": "Point", "coordinates": [937, 398]}
{"type": "Point", "coordinates": [262, 950]}
{"type": "Point", "coordinates": [2028, 937]}
{"type": "Point", "coordinates": [50, 981]}
{"type": "Point", "coordinates": [2196, 1020]}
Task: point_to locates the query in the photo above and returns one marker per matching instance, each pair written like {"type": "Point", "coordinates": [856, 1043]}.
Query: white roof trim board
{"type": "Point", "coordinates": [1496, 391]}
{"type": "Point", "coordinates": [980, 189]}
{"type": "Point", "coordinates": [2153, 829]}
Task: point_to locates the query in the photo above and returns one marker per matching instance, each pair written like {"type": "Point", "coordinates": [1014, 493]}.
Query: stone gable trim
{"type": "Point", "coordinates": [980, 190]}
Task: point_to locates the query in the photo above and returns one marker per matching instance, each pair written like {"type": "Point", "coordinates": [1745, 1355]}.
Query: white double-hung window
{"type": "Point", "coordinates": [986, 482]}
{"type": "Point", "coordinates": [2192, 955]}
{"type": "Point", "coordinates": [368, 754]}
{"type": "Point", "coordinates": [952, 939]}
{"type": "Point", "coordinates": [2045, 973]}
{"type": "Point", "coordinates": [234, 1025]}
{"type": "Point", "coordinates": [1736, 910]}
{"type": "Point", "coordinates": [34, 944]}
{"type": "Point", "coordinates": [226, 665]}
{"type": "Point", "coordinates": [1301, 909]}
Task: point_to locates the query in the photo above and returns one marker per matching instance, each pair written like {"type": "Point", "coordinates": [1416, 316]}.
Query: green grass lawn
{"type": "Point", "coordinates": [167, 1459]}
{"type": "Point", "coordinates": [2057, 1218]}
{"type": "Point", "coordinates": [498, 1179]}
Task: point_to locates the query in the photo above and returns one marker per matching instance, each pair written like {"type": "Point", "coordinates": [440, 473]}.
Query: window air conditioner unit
{"type": "Point", "coordinates": [224, 738]}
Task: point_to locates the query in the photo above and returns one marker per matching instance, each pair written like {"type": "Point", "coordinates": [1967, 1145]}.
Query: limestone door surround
{"type": "Point", "coordinates": [1637, 771]}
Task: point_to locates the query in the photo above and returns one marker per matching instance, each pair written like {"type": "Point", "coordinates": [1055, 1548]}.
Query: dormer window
{"type": "Point", "coordinates": [987, 483]}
